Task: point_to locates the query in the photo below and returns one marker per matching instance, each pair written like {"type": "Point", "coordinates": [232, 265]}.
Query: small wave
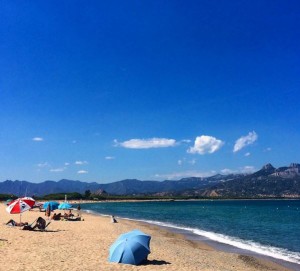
{"type": "Point", "coordinates": [94, 213]}
{"type": "Point", "coordinates": [274, 252]}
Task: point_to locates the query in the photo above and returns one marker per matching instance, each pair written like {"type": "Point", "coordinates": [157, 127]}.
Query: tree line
{"type": "Point", "coordinates": [88, 195]}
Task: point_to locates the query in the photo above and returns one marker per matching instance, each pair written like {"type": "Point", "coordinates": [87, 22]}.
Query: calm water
{"type": "Point", "coordinates": [268, 227]}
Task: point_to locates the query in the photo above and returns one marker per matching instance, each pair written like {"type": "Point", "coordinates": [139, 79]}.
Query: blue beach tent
{"type": "Point", "coordinates": [130, 248]}
{"type": "Point", "coordinates": [53, 205]}
{"type": "Point", "coordinates": [64, 206]}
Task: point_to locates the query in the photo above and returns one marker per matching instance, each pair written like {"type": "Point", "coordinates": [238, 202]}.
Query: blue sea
{"type": "Point", "coordinates": [267, 227]}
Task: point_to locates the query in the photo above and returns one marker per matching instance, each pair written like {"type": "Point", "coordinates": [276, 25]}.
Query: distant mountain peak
{"type": "Point", "coordinates": [268, 167]}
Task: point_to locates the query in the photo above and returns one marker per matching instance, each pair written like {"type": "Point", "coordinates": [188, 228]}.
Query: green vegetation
{"type": "Point", "coordinates": [4, 197]}
{"type": "Point", "coordinates": [106, 197]}
{"type": "Point", "coordinates": [61, 196]}
{"type": "Point", "coordinates": [87, 194]}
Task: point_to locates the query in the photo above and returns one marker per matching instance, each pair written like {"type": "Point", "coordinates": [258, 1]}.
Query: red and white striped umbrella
{"type": "Point", "coordinates": [20, 205]}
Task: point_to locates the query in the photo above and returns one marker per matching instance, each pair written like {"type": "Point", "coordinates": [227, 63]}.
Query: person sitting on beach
{"type": "Point", "coordinates": [68, 215]}
{"type": "Point", "coordinates": [113, 220]}
{"type": "Point", "coordinates": [40, 224]}
{"type": "Point", "coordinates": [56, 216]}
{"type": "Point", "coordinates": [16, 224]}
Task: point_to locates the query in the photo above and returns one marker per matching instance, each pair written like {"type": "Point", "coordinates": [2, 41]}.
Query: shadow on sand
{"type": "Point", "coordinates": [44, 230]}
{"type": "Point", "coordinates": [155, 262]}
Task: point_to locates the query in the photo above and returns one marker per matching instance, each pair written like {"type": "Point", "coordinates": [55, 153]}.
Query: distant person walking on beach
{"type": "Point", "coordinates": [78, 210]}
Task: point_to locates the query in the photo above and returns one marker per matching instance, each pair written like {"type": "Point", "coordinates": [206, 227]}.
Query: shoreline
{"type": "Point", "coordinates": [212, 244]}
{"type": "Point", "coordinates": [231, 249]}
{"type": "Point", "coordinates": [84, 245]}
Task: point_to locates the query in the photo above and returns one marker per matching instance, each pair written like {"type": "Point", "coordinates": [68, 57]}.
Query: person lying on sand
{"type": "Point", "coordinates": [16, 224]}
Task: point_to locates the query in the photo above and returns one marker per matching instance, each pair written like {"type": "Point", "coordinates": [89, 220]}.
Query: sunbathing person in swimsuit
{"type": "Point", "coordinates": [17, 224]}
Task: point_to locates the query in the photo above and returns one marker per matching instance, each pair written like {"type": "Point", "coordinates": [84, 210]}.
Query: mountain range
{"type": "Point", "coordinates": [267, 182]}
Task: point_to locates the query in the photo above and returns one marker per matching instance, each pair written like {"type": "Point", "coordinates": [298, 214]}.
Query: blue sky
{"type": "Point", "coordinates": [107, 90]}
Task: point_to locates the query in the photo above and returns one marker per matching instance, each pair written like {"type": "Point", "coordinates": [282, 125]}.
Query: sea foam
{"type": "Point", "coordinates": [274, 252]}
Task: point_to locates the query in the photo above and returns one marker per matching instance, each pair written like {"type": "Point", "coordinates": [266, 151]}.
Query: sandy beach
{"type": "Point", "coordinates": [84, 245]}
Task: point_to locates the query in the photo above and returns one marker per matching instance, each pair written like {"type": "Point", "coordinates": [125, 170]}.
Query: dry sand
{"type": "Point", "coordinates": [84, 245]}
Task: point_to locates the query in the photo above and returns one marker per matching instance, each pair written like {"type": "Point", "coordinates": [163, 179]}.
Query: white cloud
{"type": "Point", "coordinates": [244, 141]}
{"type": "Point", "coordinates": [38, 139]}
{"type": "Point", "coordinates": [227, 171]}
{"type": "Point", "coordinates": [81, 163]}
{"type": "Point", "coordinates": [192, 162]}
{"type": "Point", "coordinates": [267, 149]}
{"type": "Point", "coordinates": [247, 154]}
{"type": "Point", "coordinates": [109, 158]}
{"type": "Point", "coordinates": [203, 174]}
{"type": "Point", "coordinates": [205, 144]}
{"type": "Point", "coordinates": [82, 172]}
{"type": "Point", "coordinates": [58, 169]}
{"type": "Point", "coordinates": [185, 161]}
{"type": "Point", "coordinates": [67, 164]}
{"type": "Point", "coordinates": [247, 169]}
{"type": "Point", "coordinates": [147, 143]}
{"type": "Point", "coordinates": [42, 165]}
{"type": "Point", "coordinates": [185, 174]}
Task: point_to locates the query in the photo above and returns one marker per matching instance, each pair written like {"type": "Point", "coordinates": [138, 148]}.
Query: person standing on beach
{"type": "Point", "coordinates": [78, 209]}
{"type": "Point", "coordinates": [48, 211]}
